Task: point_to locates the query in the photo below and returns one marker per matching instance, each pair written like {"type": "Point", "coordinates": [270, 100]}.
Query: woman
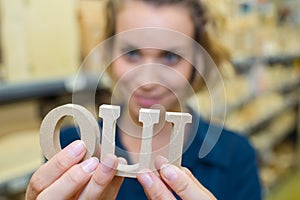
{"type": "Point", "coordinates": [158, 77]}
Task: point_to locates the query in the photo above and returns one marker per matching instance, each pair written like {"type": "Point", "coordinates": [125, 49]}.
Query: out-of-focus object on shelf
{"type": "Point", "coordinates": [22, 106]}
{"type": "Point", "coordinates": [91, 24]}
{"type": "Point", "coordinates": [256, 28]}
{"type": "Point", "coordinates": [39, 39]}
{"type": "Point", "coordinates": [20, 156]}
{"type": "Point", "coordinates": [259, 112]}
{"type": "Point", "coordinates": [21, 91]}
{"type": "Point", "coordinates": [20, 153]}
{"type": "Point", "coordinates": [274, 133]}
{"type": "Point", "coordinates": [262, 103]}
{"type": "Point", "coordinates": [249, 87]}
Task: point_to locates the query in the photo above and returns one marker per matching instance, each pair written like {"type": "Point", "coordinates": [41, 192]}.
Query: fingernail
{"type": "Point", "coordinates": [146, 179]}
{"type": "Point", "coordinates": [160, 161]}
{"type": "Point", "coordinates": [90, 165]}
{"type": "Point", "coordinates": [76, 149]}
{"type": "Point", "coordinates": [108, 163]}
{"type": "Point", "coordinates": [169, 172]}
{"type": "Point", "coordinates": [122, 161]}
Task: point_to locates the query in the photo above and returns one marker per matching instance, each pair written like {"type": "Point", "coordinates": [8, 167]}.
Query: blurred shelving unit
{"type": "Point", "coordinates": [274, 131]}
{"type": "Point", "coordinates": [270, 117]}
{"type": "Point", "coordinates": [39, 53]}
{"type": "Point", "coordinates": [263, 104]}
{"type": "Point", "coordinates": [263, 100]}
{"type": "Point", "coordinates": [22, 106]}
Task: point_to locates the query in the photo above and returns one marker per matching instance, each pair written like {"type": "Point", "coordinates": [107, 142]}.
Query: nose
{"type": "Point", "coordinates": [147, 76]}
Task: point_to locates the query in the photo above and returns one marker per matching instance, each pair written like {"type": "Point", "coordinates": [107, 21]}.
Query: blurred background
{"type": "Point", "coordinates": [43, 43]}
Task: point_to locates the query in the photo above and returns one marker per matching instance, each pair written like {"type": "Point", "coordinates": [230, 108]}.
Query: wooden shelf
{"type": "Point", "coordinates": [16, 166]}
{"type": "Point", "coordinates": [290, 102]}
{"type": "Point", "coordinates": [12, 92]}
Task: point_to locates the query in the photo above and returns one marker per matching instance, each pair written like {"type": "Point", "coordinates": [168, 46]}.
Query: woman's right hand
{"type": "Point", "coordinates": [64, 177]}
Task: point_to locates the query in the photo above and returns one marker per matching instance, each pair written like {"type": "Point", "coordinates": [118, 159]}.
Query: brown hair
{"type": "Point", "coordinates": [199, 16]}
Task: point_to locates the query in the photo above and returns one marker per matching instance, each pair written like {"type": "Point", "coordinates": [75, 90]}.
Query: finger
{"type": "Point", "coordinates": [54, 168]}
{"type": "Point", "coordinates": [101, 178]}
{"type": "Point", "coordinates": [113, 188]}
{"type": "Point", "coordinates": [154, 186]}
{"type": "Point", "coordinates": [159, 161]}
{"type": "Point", "coordinates": [182, 184]}
{"type": "Point", "coordinates": [98, 153]}
{"type": "Point", "coordinates": [70, 182]}
{"type": "Point", "coordinates": [189, 173]}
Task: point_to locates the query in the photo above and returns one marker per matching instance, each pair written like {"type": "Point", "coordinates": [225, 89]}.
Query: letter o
{"type": "Point", "coordinates": [50, 129]}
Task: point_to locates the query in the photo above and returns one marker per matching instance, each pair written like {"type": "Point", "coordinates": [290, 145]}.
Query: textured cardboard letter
{"type": "Point", "coordinates": [109, 114]}
{"type": "Point", "coordinates": [179, 121]}
{"type": "Point", "coordinates": [50, 129]}
{"type": "Point", "coordinates": [148, 117]}
{"type": "Point", "coordinates": [89, 133]}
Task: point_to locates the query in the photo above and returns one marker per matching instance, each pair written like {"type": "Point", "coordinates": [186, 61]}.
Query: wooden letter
{"type": "Point", "coordinates": [179, 121]}
{"type": "Point", "coordinates": [148, 117]}
{"type": "Point", "coordinates": [50, 129]}
{"type": "Point", "coordinates": [109, 114]}
{"type": "Point", "coordinates": [89, 133]}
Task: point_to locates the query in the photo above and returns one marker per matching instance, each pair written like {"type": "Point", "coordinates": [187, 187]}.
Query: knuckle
{"type": "Point", "coordinates": [61, 164]}
{"type": "Point", "coordinates": [157, 195]}
{"type": "Point", "coordinates": [187, 171]}
{"type": "Point", "coordinates": [101, 182]}
{"type": "Point", "coordinates": [74, 177]}
{"type": "Point", "coordinates": [35, 185]}
{"type": "Point", "coordinates": [182, 187]}
{"type": "Point", "coordinates": [160, 192]}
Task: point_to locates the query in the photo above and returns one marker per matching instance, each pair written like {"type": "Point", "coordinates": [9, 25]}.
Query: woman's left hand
{"type": "Point", "coordinates": [172, 178]}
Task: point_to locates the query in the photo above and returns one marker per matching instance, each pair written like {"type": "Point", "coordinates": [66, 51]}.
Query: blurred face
{"type": "Point", "coordinates": [152, 70]}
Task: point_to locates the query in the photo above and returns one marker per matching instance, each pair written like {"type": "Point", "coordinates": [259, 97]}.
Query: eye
{"type": "Point", "coordinates": [170, 58]}
{"type": "Point", "coordinates": [133, 55]}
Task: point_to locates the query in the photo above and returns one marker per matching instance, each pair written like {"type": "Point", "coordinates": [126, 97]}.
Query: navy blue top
{"type": "Point", "coordinates": [229, 171]}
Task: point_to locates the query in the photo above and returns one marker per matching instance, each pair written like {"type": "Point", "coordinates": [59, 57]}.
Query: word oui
{"type": "Point", "coordinates": [90, 133]}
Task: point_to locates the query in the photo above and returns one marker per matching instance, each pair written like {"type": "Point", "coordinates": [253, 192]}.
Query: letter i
{"type": "Point", "coordinates": [109, 114]}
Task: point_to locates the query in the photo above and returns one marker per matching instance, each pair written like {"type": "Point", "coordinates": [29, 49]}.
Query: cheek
{"type": "Point", "coordinates": [186, 70]}
{"type": "Point", "coordinates": [123, 78]}
{"type": "Point", "coordinates": [117, 70]}
{"type": "Point", "coordinates": [180, 76]}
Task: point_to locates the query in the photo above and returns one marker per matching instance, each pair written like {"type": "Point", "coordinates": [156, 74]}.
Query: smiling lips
{"type": "Point", "coordinates": [146, 102]}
